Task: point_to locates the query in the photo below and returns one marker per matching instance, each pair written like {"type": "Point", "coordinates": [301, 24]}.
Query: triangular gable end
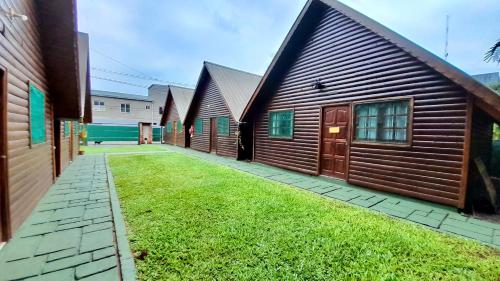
{"type": "Point", "coordinates": [486, 98]}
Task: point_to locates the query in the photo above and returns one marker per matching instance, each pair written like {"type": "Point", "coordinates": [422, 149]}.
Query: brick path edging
{"type": "Point", "coordinates": [127, 265]}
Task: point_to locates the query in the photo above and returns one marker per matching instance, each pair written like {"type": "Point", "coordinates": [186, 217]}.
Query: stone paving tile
{"type": "Point", "coordinates": [442, 218]}
{"type": "Point", "coordinates": [70, 228]}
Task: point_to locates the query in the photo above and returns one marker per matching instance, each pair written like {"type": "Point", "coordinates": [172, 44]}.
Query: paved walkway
{"type": "Point", "coordinates": [438, 217]}
{"type": "Point", "coordinates": [71, 235]}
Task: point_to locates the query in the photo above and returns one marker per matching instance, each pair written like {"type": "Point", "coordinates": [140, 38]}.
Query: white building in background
{"type": "Point", "coordinates": [126, 109]}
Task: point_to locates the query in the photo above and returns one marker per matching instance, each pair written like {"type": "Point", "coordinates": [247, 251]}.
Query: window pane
{"type": "Point", "coordinates": [198, 126]}
{"type": "Point", "coordinates": [179, 126]}
{"type": "Point", "coordinates": [281, 124]}
{"type": "Point", "coordinates": [383, 121]}
{"type": "Point", "coordinates": [223, 126]}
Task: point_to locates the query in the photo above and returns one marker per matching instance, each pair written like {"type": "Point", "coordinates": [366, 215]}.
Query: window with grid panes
{"type": "Point", "coordinates": [179, 126]}
{"type": "Point", "coordinates": [281, 124]}
{"type": "Point", "coordinates": [169, 127]}
{"type": "Point", "coordinates": [198, 126]}
{"type": "Point", "coordinates": [385, 122]}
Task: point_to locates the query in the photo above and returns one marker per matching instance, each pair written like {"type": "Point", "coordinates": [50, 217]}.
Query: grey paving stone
{"type": "Point", "coordinates": [67, 262]}
{"type": "Point", "coordinates": [92, 268]}
{"type": "Point", "coordinates": [323, 189]}
{"type": "Point", "coordinates": [97, 226]}
{"type": "Point", "coordinates": [61, 275]}
{"type": "Point", "coordinates": [52, 206]}
{"type": "Point", "coordinates": [59, 240]}
{"type": "Point", "coordinates": [425, 220]}
{"type": "Point", "coordinates": [62, 254]}
{"type": "Point", "coordinates": [96, 213]}
{"type": "Point", "coordinates": [342, 194]}
{"type": "Point", "coordinates": [470, 227]}
{"type": "Point", "coordinates": [106, 252]}
{"type": "Point", "coordinates": [392, 209]}
{"type": "Point", "coordinates": [38, 229]}
{"type": "Point", "coordinates": [21, 248]}
{"type": "Point", "coordinates": [96, 240]}
{"type": "Point", "coordinates": [99, 195]}
{"type": "Point", "coordinates": [40, 217]}
{"type": "Point", "coordinates": [103, 219]}
{"type": "Point", "coordinates": [467, 233]}
{"type": "Point", "coordinates": [109, 275]}
{"type": "Point", "coordinates": [22, 268]}
{"type": "Point", "coordinates": [79, 195]}
{"type": "Point", "coordinates": [74, 225]}
{"type": "Point", "coordinates": [67, 213]}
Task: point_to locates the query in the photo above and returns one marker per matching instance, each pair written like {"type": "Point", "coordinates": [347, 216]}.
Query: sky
{"type": "Point", "coordinates": [144, 42]}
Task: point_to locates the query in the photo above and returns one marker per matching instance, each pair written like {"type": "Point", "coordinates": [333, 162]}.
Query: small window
{"type": "Point", "coordinates": [67, 130]}
{"type": "Point", "coordinates": [281, 124]}
{"type": "Point", "coordinates": [125, 107]}
{"type": "Point", "coordinates": [385, 122]}
{"type": "Point", "coordinates": [99, 106]}
{"type": "Point", "coordinates": [160, 110]}
{"type": "Point", "coordinates": [198, 126]}
{"type": "Point", "coordinates": [223, 126]}
{"type": "Point", "coordinates": [148, 107]}
{"type": "Point", "coordinates": [169, 127]}
{"type": "Point", "coordinates": [37, 115]}
{"type": "Point", "coordinates": [179, 126]}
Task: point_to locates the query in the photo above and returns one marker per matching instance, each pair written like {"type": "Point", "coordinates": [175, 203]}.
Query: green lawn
{"type": "Point", "coordinates": [200, 221]}
{"type": "Point", "coordinates": [94, 149]}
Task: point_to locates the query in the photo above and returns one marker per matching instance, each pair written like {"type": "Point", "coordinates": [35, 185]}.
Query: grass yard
{"type": "Point", "coordinates": [94, 149]}
{"type": "Point", "coordinates": [194, 220]}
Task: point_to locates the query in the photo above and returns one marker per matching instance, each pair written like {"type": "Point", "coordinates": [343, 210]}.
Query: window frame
{"type": "Point", "coordinates": [125, 105]}
{"type": "Point", "coordinates": [291, 137]}
{"type": "Point", "coordinates": [228, 126]}
{"type": "Point", "coordinates": [180, 126]}
{"type": "Point", "coordinates": [100, 106]}
{"type": "Point", "coordinates": [201, 122]}
{"type": "Point", "coordinates": [169, 128]}
{"type": "Point", "coordinates": [409, 127]}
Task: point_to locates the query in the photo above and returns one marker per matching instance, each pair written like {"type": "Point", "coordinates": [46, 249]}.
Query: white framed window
{"type": "Point", "coordinates": [99, 106]}
{"type": "Point", "coordinates": [125, 107]}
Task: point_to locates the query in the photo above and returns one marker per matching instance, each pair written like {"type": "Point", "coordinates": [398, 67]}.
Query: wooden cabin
{"type": "Point", "coordinates": [174, 116]}
{"type": "Point", "coordinates": [220, 96]}
{"type": "Point", "coordinates": [40, 84]}
{"type": "Point", "coordinates": [346, 97]}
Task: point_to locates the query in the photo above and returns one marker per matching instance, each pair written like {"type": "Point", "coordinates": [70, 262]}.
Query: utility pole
{"type": "Point", "coordinates": [446, 37]}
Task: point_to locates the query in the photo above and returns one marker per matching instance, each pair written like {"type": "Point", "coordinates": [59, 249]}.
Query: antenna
{"type": "Point", "coordinates": [446, 38]}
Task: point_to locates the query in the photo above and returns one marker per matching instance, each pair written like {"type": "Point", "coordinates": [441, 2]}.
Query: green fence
{"type": "Point", "coordinates": [117, 133]}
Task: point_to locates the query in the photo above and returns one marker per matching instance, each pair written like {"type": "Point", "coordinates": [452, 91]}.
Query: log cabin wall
{"type": "Point", "coordinates": [356, 64]}
{"type": "Point", "coordinates": [75, 132]}
{"type": "Point", "coordinates": [210, 104]}
{"type": "Point", "coordinates": [30, 168]}
{"type": "Point", "coordinates": [173, 115]}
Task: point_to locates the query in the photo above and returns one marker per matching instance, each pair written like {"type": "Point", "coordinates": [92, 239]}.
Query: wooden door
{"type": "Point", "coordinates": [334, 141]}
{"type": "Point", "coordinates": [4, 180]}
{"type": "Point", "coordinates": [174, 123]}
{"type": "Point", "coordinates": [213, 135]}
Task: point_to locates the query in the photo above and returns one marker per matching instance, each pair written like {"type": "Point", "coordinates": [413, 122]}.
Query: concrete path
{"type": "Point", "coordinates": [438, 217]}
{"type": "Point", "coordinates": [72, 234]}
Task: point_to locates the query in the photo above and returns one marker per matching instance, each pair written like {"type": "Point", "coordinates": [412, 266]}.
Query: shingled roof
{"type": "Point", "coordinates": [485, 98]}
{"type": "Point", "coordinates": [182, 98]}
{"type": "Point", "coordinates": [235, 86]}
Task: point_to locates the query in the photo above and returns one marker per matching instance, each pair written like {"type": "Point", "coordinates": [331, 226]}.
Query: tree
{"type": "Point", "coordinates": [494, 53]}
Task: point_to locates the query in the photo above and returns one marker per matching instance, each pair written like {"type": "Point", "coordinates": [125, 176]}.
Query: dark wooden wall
{"type": "Point", "coordinates": [31, 169]}
{"type": "Point", "coordinates": [356, 64]}
{"type": "Point", "coordinates": [75, 141]}
{"type": "Point", "coordinates": [65, 147]}
{"type": "Point", "coordinates": [173, 115]}
{"type": "Point", "coordinates": [209, 103]}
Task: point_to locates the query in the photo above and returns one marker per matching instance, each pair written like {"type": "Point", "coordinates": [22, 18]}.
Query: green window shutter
{"type": "Point", "coordinates": [179, 126]}
{"type": "Point", "coordinates": [281, 124]}
{"type": "Point", "coordinates": [169, 127]}
{"type": "Point", "coordinates": [37, 115]}
{"type": "Point", "coordinates": [223, 126]}
{"type": "Point", "coordinates": [385, 122]}
{"type": "Point", "coordinates": [67, 130]}
{"type": "Point", "coordinates": [198, 126]}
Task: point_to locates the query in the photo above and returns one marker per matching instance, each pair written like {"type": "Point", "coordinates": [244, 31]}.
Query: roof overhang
{"type": "Point", "coordinates": [166, 108]}
{"type": "Point", "coordinates": [486, 98]}
{"type": "Point", "coordinates": [84, 77]}
{"type": "Point", "coordinates": [60, 49]}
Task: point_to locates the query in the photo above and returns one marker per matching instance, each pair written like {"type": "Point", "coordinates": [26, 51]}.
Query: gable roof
{"type": "Point", "coordinates": [486, 98]}
{"type": "Point", "coordinates": [182, 98]}
{"type": "Point", "coordinates": [236, 86]}
{"type": "Point", "coordinates": [116, 95]}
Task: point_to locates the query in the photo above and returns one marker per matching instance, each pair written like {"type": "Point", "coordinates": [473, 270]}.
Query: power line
{"type": "Point", "coordinates": [119, 82]}
{"type": "Point", "coordinates": [137, 76]}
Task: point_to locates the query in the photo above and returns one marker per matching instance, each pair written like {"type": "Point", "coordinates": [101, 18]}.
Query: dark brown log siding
{"type": "Point", "coordinates": [173, 115]}
{"type": "Point", "coordinates": [210, 104]}
{"type": "Point", "coordinates": [30, 169]}
{"type": "Point", "coordinates": [65, 148]}
{"type": "Point", "coordinates": [356, 64]}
